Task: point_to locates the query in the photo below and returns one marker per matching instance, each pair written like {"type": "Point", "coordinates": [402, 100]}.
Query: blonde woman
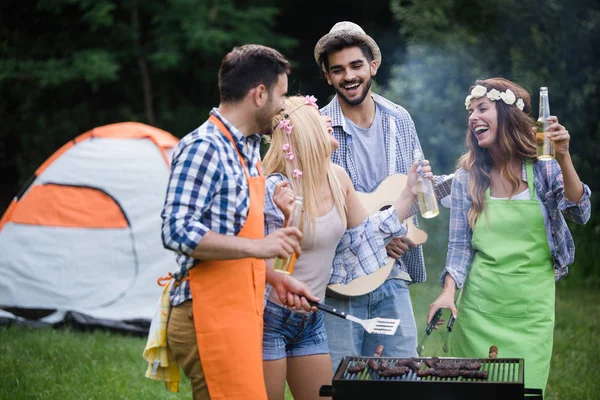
{"type": "Point", "coordinates": [295, 343]}
{"type": "Point", "coordinates": [508, 237]}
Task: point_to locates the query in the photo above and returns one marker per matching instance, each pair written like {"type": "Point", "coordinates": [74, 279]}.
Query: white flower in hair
{"type": "Point", "coordinates": [468, 101]}
{"type": "Point", "coordinates": [493, 95]}
{"type": "Point", "coordinates": [478, 91]}
{"type": "Point", "coordinates": [508, 97]}
{"type": "Point", "coordinates": [520, 104]}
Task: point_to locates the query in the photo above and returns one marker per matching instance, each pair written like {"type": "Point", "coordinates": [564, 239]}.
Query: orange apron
{"type": "Point", "coordinates": [227, 298]}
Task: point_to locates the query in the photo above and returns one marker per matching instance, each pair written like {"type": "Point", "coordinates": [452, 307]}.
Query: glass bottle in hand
{"type": "Point", "coordinates": [425, 195]}
{"type": "Point", "coordinates": [286, 265]}
{"type": "Point", "coordinates": [545, 146]}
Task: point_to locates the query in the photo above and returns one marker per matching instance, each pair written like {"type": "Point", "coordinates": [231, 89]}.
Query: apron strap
{"type": "Point", "coordinates": [530, 179]}
{"type": "Point", "coordinates": [223, 129]}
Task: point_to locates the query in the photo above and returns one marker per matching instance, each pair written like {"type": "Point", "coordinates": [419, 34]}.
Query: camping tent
{"type": "Point", "coordinates": [82, 240]}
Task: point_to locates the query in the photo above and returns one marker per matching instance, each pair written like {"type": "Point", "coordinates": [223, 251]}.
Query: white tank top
{"type": "Point", "coordinates": [318, 250]}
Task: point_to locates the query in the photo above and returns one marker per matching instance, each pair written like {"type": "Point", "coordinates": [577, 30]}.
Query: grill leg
{"type": "Point", "coordinates": [326, 391]}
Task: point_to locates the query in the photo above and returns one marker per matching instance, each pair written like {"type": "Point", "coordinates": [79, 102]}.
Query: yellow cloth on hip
{"type": "Point", "coordinates": [161, 364]}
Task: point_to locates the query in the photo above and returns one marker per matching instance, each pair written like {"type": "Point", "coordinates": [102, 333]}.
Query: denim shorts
{"type": "Point", "coordinates": [292, 334]}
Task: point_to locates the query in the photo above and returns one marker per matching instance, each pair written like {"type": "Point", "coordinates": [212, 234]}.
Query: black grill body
{"type": "Point", "coordinates": [505, 382]}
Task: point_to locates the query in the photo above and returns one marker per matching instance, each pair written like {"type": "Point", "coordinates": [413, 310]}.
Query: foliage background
{"type": "Point", "coordinates": [67, 66]}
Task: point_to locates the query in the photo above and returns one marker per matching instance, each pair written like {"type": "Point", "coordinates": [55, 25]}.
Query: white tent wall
{"type": "Point", "coordinates": [135, 174]}
{"type": "Point", "coordinates": [60, 268]}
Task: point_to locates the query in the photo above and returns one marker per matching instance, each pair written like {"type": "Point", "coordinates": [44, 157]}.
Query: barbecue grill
{"type": "Point", "coordinates": [504, 381]}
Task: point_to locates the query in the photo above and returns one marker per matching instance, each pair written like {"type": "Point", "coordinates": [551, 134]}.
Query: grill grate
{"type": "Point", "coordinates": [504, 381]}
{"type": "Point", "coordinates": [509, 370]}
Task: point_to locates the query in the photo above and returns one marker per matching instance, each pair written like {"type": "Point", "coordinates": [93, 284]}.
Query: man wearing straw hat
{"type": "Point", "coordinates": [377, 138]}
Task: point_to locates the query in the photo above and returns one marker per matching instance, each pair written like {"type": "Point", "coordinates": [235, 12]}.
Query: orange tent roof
{"type": "Point", "coordinates": [120, 130]}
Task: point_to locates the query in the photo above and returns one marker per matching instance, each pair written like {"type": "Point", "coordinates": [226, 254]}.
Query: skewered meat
{"type": "Point", "coordinates": [432, 362]}
{"type": "Point", "coordinates": [410, 363]}
{"type": "Point", "coordinates": [426, 372]}
{"type": "Point", "coordinates": [374, 365]}
{"type": "Point", "coordinates": [474, 374]}
{"type": "Point", "coordinates": [383, 365]}
{"type": "Point", "coordinates": [356, 368]}
{"type": "Point", "coordinates": [393, 371]}
{"type": "Point", "coordinates": [472, 366]}
{"type": "Point", "coordinates": [452, 373]}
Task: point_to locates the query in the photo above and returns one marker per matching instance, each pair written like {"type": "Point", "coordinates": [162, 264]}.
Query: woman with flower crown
{"type": "Point", "coordinates": [508, 239]}
{"type": "Point", "coordinates": [295, 343]}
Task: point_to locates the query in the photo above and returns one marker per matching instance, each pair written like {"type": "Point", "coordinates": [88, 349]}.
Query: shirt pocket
{"type": "Point", "coordinates": [504, 294]}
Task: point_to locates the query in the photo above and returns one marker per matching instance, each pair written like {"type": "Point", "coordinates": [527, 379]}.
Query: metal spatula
{"type": "Point", "coordinates": [379, 326]}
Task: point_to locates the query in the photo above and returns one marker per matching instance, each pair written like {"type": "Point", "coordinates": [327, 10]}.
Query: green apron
{"type": "Point", "coordinates": [508, 297]}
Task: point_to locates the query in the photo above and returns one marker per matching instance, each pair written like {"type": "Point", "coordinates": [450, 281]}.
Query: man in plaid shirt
{"type": "Point", "coordinates": [213, 219]}
{"type": "Point", "coordinates": [377, 138]}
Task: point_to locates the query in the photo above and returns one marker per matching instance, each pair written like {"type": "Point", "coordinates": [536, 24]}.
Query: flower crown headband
{"type": "Point", "coordinates": [286, 126]}
{"type": "Point", "coordinates": [508, 97]}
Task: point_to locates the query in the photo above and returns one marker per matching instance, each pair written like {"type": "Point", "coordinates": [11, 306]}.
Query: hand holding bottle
{"type": "Point", "coordinates": [419, 169]}
{"type": "Point", "coordinates": [286, 264]}
{"type": "Point", "coordinates": [282, 243]}
{"type": "Point", "coordinates": [424, 187]}
{"type": "Point", "coordinates": [559, 135]}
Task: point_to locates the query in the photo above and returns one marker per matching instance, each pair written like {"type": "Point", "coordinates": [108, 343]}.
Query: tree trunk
{"type": "Point", "coordinates": [141, 61]}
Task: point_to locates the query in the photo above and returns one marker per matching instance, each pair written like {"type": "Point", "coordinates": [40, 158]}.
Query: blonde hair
{"type": "Point", "coordinates": [309, 142]}
{"type": "Point", "coordinates": [515, 141]}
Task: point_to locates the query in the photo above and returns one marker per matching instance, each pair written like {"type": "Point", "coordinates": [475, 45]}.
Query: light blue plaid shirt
{"type": "Point", "coordinates": [400, 128]}
{"type": "Point", "coordinates": [207, 191]}
{"type": "Point", "coordinates": [361, 250]}
{"type": "Point", "coordinates": [549, 187]}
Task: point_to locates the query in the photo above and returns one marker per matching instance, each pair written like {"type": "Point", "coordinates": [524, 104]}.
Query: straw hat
{"type": "Point", "coordinates": [350, 28]}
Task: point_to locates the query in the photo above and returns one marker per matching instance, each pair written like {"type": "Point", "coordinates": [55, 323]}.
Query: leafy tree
{"type": "Point", "coordinates": [67, 66]}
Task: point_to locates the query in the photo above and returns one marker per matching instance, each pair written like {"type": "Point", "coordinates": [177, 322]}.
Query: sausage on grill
{"type": "Point", "coordinates": [393, 371]}
{"type": "Point", "coordinates": [474, 374]}
{"type": "Point", "coordinates": [373, 365]}
{"type": "Point", "coordinates": [432, 362]}
{"type": "Point", "coordinates": [412, 363]}
{"type": "Point", "coordinates": [472, 366]}
{"type": "Point", "coordinates": [426, 372]}
{"type": "Point", "coordinates": [356, 368]}
{"type": "Point", "coordinates": [452, 373]}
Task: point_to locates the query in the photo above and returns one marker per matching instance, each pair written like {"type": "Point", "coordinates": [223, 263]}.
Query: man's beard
{"type": "Point", "coordinates": [366, 86]}
{"type": "Point", "coordinates": [264, 120]}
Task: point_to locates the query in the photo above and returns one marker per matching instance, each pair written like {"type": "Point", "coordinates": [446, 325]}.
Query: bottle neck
{"type": "Point", "coordinates": [544, 106]}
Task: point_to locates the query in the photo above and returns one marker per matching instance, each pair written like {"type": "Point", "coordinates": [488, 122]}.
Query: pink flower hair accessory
{"type": "Point", "coordinates": [286, 126]}
{"type": "Point", "coordinates": [311, 101]}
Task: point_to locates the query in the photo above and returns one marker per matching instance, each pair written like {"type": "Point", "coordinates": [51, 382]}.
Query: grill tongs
{"type": "Point", "coordinates": [380, 326]}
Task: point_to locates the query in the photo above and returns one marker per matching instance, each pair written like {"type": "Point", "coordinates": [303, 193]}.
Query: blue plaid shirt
{"type": "Point", "coordinates": [549, 187]}
{"type": "Point", "coordinates": [400, 128]}
{"type": "Point", "coordinates": [361, 249]}
{"type": "Point", "coordinates": [207, 191]}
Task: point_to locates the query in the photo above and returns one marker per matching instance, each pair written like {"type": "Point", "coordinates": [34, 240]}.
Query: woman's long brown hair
{"type": "Point", "coordinates": [514, 140]}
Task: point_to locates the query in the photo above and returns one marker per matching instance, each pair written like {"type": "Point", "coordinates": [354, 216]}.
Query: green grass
{"type": "Point", "coordinates": [63, 364]}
